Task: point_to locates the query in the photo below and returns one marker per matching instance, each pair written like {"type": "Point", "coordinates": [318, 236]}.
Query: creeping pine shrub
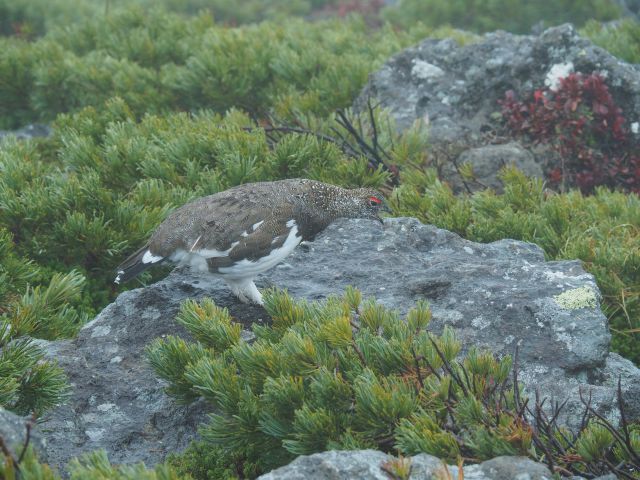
{"type": "Point", "coordinates": [91, 466]}
{"type": "Point", "coordinates": [338, 375]}
{"type": "Point", "coordinates": [517, 16]}
{"type": "Point", "coordinates": [584, 125]}
{"type": "Point", "coordinates": [346, 374]}
{"type": "Point", "coordinates": [599, 229]}
{"type": "Point", "coordinates": [621, 39]}
{"type": "Point", "coordinates": [158, 62]}
{"type": "Point", "coordinates": [28, 382]}
{"type": "Point", "coordinates": [32, 18]}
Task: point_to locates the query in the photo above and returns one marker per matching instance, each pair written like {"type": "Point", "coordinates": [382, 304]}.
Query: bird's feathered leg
{"type": "Point", "coordinates": [245, 290]}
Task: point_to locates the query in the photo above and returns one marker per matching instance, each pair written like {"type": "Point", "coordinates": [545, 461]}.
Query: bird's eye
{"type": "Point", "coordinates": [374, 202]}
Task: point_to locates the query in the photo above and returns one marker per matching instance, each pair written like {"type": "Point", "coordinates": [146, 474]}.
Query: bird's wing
{"type": "Point", "coordinates": [268, 235]}
{"type": "Point", "coordinates": [217, 225]}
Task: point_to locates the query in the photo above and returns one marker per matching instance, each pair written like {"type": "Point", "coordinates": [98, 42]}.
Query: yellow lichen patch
{"type": "Point", "coordinates": [583, 297]}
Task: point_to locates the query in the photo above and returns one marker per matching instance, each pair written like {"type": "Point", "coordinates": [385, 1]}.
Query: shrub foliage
{"type": "Point", "coordinates": [621, 39]}
{"type": "Point", "coordinates": [31, 18]}
{"type": "Point", "coordinates": [347, 374]}
{"type": "Point", "coordinates": [160, 62]}
{"type": "Point", "coordinates": [92, 466]}
{"type": "Point", "coordinates": [29, 384]}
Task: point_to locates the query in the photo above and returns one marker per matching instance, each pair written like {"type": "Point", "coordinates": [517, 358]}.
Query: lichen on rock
{"type": "Point", "coordinates": [581, 297]}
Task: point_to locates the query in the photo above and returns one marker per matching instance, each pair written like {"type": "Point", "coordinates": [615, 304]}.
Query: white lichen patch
{"type": "Point", "coordinates": [522, 476]}
{"type": "Point", "coordinates": [480, 323]}
{"type": "Point", "coordinates": [532, 374]}
{"type": "Point", "coordinates": [424, 70]}
{"type": "Point", "coordinates": [567, 339]}
{"type": "Point", "coordinates": [557, 71]}
{"type": "Point", "coordinates": [101, 331]}
{"type": "Point", "coordinates": [105, 407]}
{"type": "Point", "coordinates": [583, 297]}
{"type": "Point", "coordinates": [448, 316]}
{"type": "Point", "coordinates": [95, 434]}
{"type": "Point", "coordinates": [557, 275]}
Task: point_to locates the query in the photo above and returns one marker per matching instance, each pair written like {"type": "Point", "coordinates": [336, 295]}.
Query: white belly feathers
{"type": "Point", "coordinates": [249, 269]}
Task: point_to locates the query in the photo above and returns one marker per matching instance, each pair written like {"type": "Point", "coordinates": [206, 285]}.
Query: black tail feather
{"type": "Point", "coordinates": [133, 266]}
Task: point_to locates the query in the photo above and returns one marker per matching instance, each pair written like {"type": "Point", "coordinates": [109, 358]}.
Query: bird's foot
{"type": "Point", "coordinates": [246, 291]}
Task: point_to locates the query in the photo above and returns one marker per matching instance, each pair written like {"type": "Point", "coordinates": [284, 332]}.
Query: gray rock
{"type": "Point", "coordinates": [30, 131]}
{"type": "Point", "coordinates": [461, 100]}
{"type": "Point", "coordinates": [13, 430]}
{"type": "Point", "coordinates": [118, 404]}
{"type": "Point", "coordinates": [367, 465]}
{"type": "Point", "coordinates": [486, 163]}
{"type": "Point", "coordinates": [495, 295]}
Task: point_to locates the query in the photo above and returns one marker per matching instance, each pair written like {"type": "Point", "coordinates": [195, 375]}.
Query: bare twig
{"type": "Point", "coordinates": [372, 151]}
{"type": "Point", "coordinates": [625, 425]}
{"type": "Point", "coordinates": [604, 422]}
{"type": "Point", "coordinates": [359, 352]}
{"type": "Point", "coordinates": [415, 361]}
{"type": "Point", "coordinates": [542, 445]}
{"type": "Point", "coordinates": [27, 438]}
{"type": "Point", "coordinates": [430, 367]}
{"type": "Point", "coordinates": [448, 366]}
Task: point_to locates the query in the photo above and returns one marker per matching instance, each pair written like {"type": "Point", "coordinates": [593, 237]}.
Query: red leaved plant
{"type": "Point", "coordinates": [582, 122]}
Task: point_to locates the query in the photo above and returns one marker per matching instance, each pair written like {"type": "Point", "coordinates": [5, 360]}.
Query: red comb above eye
{"type": "Point", "coordinates": [374, 199]}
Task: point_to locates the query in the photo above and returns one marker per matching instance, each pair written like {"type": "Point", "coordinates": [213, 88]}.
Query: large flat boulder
{"type": "Point", "coordinates": [495, 295]}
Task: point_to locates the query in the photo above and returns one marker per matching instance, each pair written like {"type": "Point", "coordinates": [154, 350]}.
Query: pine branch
{"type": "Point", "coordinates": [29, 426]}
{"type": "Point", "coordinates": [359, 352]}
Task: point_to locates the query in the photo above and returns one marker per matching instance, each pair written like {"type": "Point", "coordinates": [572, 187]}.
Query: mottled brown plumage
{"type": "Point", "coordinates": [247, 229]}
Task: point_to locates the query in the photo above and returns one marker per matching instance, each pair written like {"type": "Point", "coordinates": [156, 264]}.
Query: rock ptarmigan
{"type": "Point", "coordinates": [242, 232]}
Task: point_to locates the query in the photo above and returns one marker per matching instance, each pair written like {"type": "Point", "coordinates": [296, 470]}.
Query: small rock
{"type": "Point", "coordinates": [486, 162]}
{"type": "Point", "coordinates": [367, 465]}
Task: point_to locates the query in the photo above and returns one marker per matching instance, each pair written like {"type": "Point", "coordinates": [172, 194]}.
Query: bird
{"type": "Point", "coordinates": [241, 232]}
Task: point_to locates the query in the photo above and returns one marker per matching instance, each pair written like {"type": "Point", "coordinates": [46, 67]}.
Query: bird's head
{"type": "Point", "coordinates": [366, 203]}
